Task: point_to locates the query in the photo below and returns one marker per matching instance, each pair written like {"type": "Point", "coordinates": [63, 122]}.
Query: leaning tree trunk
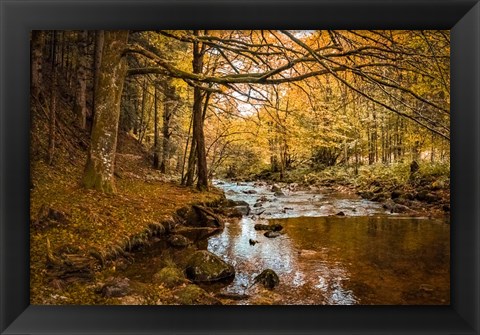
{"type": "Point", "coordinates": [111, 76]}
{"type": "Point", "coordinates": [80, 107]}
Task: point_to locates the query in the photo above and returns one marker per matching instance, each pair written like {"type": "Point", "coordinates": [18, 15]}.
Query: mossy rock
{"type": "Point", "coordinates": [194, 295]}
{"type": "Point", "coordinates": [178, 241]}
{"type": "Point", "coordinates": [268, 278]}
{"type": "Point", "coordinates": [205, 267]}
{"type": "Point", "coordinates": [116, 287]}
{"type": "Point", "coordinates": [201, 216]}
{"type": "Point", "coordinates": [265, 297]}
{"type": "Point", "coordinates": [169, 277]}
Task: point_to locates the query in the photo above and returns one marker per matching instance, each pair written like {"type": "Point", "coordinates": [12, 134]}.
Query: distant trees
{"type": "Point", "coordinates": [80, 106]}
{"type": "Point", "coordinates": [324, 97]}
{"type": "Point", "coordinates": [36, 49]}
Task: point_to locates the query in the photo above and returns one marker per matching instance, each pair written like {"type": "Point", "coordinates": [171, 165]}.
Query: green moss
{"type": "Point", "coordinates": [169, 277]}
{"type": "Point", "coordinates": [97, 181]}
{"type": "Point", "coordinates": [190, 294]}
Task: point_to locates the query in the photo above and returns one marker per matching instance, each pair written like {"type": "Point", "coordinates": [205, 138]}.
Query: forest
{"type": "Point", "coordinates": [160, 158]}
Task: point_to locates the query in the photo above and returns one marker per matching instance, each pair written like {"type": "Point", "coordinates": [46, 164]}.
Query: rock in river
{"type": "Point", "coordinates": [274, 227]}
{"type": "Point", "coordinates": [206, 267]}
{"type": "Point", "coordinates": [237, 208]}
{"type": "Point", "coordinates": [276, 188]}
{"type": "Point", "coordinates": [250, 192]}
{"type": "Point", "coordinates": [272, 234]}
{"type": "Point", "coordinates": [268, 278]}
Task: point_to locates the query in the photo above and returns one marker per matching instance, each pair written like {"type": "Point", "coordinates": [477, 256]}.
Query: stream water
{"type": "Point", "coordinates": [365, 257]}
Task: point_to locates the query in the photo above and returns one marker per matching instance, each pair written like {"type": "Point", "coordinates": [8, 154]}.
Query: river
{"type": "Point", "coordinates": [365, 256]}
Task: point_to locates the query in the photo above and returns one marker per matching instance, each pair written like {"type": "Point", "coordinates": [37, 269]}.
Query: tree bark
{"type": "Point", "coordinates": [156, 161]}
{"type": "Point", "coordinates": [80, 107]}
{"type": "Point", "coordinates": [97, 59]}
{"type": "Point", "coordinates": [198, 121]}
{"type": "Point", "coordinates": [53, 104]}
{"type": "Point", "coordinates": [111, 76]}
{"type": "Point", "coordinates": [185, 175]}
{"type": "Point", "coordinates": [37, 44]}
{"type": "Point", "coordinates": [142, 115]}
{"type": "Point", "coordinates": [167, 116]}
{"type": "Point", "coordinates": [192, 158]}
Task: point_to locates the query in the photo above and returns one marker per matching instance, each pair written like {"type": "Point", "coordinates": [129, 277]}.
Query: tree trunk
{"type": "Point", "coordinates": [62, 49]}
{"type": "Point", "coordinates": [156, 162]}
{"type": "Point", "coordinates": [142, 115]}
{"type": "Point", "coordinates": [167, 115]}
{"type": "Point", "coordinates": [38, 42]}
{"type": "Point", "coordinates": [53, 105]}
{"type": "Point", "coordinates": [97, 59]}
{"type": "Point", "coordinates": [185, 176]}
{"type": "Point", "coordinates": [180, 159]}
{"type": "Point", "coordinates": [198, 135]}
{"type": "Point", "coordinates": [80, 107]}
{"type": "Point", "coordinates": [111, 76]}
{"type": "Point", "coordinates": [191, 163]}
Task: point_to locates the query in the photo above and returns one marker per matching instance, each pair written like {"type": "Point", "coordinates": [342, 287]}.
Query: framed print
{"type": "Point", "coordinates": [251, 167]}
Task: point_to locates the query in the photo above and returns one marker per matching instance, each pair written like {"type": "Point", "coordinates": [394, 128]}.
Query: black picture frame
{"type": "Point", "coordinates": [19, 17]}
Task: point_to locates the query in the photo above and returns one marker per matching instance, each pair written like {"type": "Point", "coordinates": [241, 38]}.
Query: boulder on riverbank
{"type": "Point", "coordinates": [194, 295]}
{"type": "Point", "coordinates": [116, 287]}
{"type": "Point", "coordinates": [205, 267]}
{"type": "Point", "coordinates": [199, 216]}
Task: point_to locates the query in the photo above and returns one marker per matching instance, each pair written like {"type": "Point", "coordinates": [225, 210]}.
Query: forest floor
{"type": "Point", "coordinates": [75, 226]}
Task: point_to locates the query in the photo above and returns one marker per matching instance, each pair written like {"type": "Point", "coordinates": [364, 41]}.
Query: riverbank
{"type": "Point", "coordinates": [78, 235]}
{"type": "Point", "coordinates": [426, 192]}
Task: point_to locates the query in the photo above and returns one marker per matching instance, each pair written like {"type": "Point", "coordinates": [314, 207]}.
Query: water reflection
{"type": "Point", "coordinates": [233, 246]}
{"type": "Point", "coordinates": [348, 260]}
